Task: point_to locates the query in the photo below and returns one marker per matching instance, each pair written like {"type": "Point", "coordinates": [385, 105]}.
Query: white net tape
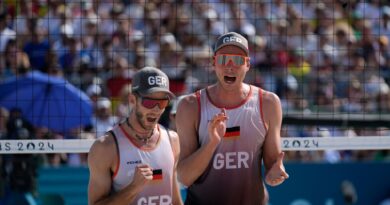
{"type": "Point", "coordinates": [45, 146]}
{"type": "Point", "coordinates": [336, 143]}
{"type": "Point", "coordinates": [287, 144]}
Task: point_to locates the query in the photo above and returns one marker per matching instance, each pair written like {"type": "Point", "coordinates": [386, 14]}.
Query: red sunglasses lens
{"type": "Point", "coordinates": [148, 103]}
{"type": "Point", "coordinates": [163, 104]}
{"type": "Point", "coordinates": [151, 103]}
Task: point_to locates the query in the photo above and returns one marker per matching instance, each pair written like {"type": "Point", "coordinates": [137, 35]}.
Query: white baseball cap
{"type": "Point", "coordinates": [103, 102]}
{"type": "Point", "coordinates": [94, 89]}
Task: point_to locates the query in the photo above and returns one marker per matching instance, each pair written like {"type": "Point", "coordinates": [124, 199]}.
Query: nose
{"type": "Point", "coordinates": [229, 66]}
{"type": "Point", "coordinates": [156, 108]}
{"type": "Point", "coordinates": [230, 63]}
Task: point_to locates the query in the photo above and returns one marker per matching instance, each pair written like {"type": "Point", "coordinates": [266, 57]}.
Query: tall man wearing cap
{"type": "Point", "coordinates": [227, 130]}
{"type": "Point", "coordinates": [135, 162]}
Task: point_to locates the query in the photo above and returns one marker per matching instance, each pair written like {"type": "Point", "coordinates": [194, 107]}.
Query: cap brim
{"type": "Point", "coordinates": [157, 89]}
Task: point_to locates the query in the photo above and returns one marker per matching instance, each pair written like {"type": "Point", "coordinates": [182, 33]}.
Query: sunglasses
{"type": "Point", "coordinates": [150, 103]}
{"type": "Point", "coordinates": [224, 59]}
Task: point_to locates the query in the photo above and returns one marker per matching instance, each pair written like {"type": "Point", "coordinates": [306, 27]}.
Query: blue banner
{"type": "Point", "coordinates": [333, 184]}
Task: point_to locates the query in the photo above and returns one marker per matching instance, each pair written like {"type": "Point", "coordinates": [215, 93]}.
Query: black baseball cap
{"type": "Point", "coordinates": [232, 38]}
{"type": "Point", "coordinates": [149, 80]}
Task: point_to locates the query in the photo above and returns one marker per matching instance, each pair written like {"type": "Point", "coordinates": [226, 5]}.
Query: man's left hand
{"type": "Point", "coordinates": [277, 174]}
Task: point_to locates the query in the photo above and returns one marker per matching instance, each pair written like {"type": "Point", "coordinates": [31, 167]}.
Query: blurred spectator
{"type": "Point", "coordinates": [6, 33]}
{"type": "Point", "coordinates": [172, 113]}
{"type": "Point", "coordinates": [17, 125]}
{"type": "Point", "coordinates": [52, 20]}
{"type": "Point", "coordinates": [66, 32]}
{"type": "Point", "coordinates": [52, 66]}
{"type": "Point", "coordinates": [123, 107]}
{"type": "Point", "coordinates": [16, 62]}
{"type": "Point", "coordinates": [69, 57]}
{"type": "Point", "coordinates": [298, 65]}
{"type": "Point", "coordinates": [4, 115]}
{"type": "Point", "coordinates": [120, 74]}
{"type": "Point", "coordinates": [22, 20]}
{"type": "Point", "coordinates": [382, 51]}
{"type": "Point", "coordinates": [103, 119]}
{"type": "Point", "coordinates": [171, 61]}
{"type": "Point", "coordinates": [94, 91]}
{"type": "Point", "coordinates": [369, 10]}
{"type": "Point", "coordinates": [382, 26]}
{"type": "Point", "coordinates": [83, 15]}
{"type": "Point", "coordinates": [383, 98]}
{"type": "Point", "coordinates": [37, 48]}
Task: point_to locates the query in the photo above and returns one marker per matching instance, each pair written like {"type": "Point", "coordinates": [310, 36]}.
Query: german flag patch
{"type": "Point", "coordinates": [157, 174]}
{"type": "Point", "coordinates": [232, 133]}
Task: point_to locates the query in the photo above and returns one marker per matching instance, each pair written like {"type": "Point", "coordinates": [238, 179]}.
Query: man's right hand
{"type": "Point", "coordinates": [217, 127]}
{"type": "Point", "coordinates": [142, 174]}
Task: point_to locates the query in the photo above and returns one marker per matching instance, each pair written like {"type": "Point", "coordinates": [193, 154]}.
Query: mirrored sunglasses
{"type": "Point", "coordinates": [150, 103]}
{"type": "Point", "coordinates": [224, 59]}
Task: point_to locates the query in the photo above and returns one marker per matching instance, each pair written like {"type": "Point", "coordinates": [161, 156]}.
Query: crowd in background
{"type": "Point", "coordinates": [317, 56]}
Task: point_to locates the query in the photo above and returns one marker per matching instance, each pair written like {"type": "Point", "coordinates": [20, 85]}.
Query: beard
{"type": "Point", "coordinates": [141, 119]}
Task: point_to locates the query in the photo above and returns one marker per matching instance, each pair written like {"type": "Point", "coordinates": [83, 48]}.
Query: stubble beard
{"type": "Point", "coordinates": [139, 117]}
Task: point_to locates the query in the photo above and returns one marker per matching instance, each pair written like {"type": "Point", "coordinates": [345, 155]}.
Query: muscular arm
{"type": "Point", "coordinates": [101, 161]}
{"type": "Point", "coordinates": [272, 154]}
{"type": "Point", "coordinates": [193, 161]}
{"type": "Point", "coordinates": [176, 198]}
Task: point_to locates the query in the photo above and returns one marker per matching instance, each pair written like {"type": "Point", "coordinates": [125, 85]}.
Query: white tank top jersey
{"type": "Point", "coordinates": [161, 159]}
{"type": "Point", "coordinates": [234, 173]}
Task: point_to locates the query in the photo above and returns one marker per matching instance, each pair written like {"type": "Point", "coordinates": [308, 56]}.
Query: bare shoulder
{"type": "Point", "coordinates": [272, 110]}
{"type": "Point", "coordinates": [187, 110]}
{"type": "Point", "coordinates": [103, 150]}
{"type": "Point", "coordinates": [270, 99]}
{"type": "Point", "coordinates": [174, 137]}
{"type": "Point", "coordinates": [189, 101]}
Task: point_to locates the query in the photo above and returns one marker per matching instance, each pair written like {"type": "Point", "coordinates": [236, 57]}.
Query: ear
{"type": "Point", "coordinates": [248, 62]}
{"type": "Point", "coordinates": [213, 60]}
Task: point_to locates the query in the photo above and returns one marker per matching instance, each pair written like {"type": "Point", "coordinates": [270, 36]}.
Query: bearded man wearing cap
{"type": "Point", "coordinates": [135, 162]}
{"type": "Point", "coordinates": [227, 130]}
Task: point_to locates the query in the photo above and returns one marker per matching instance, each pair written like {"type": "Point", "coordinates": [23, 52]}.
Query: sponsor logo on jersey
{"type": "Point", "coordinates": [134, 162]}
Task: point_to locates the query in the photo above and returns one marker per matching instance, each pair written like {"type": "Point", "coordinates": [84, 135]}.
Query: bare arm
{"type": "Point", "coordinates": [176, 200]}
{"type": "Point", "coordinates": [102, 161]}
{"type": "Point", "coordinates": [272, 155]}
{"type": "Point", "coordinates": [193, 161]}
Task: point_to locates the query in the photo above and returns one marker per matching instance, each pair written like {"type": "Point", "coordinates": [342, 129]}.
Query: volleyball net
{"type": "Point", "coordinates": [287, 144]}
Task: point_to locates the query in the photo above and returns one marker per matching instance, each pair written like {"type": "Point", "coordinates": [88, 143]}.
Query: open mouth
{"type": "Point", "coordinates": [229, 80]}
{"type": "Point", "coordinates": [151, 119]}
